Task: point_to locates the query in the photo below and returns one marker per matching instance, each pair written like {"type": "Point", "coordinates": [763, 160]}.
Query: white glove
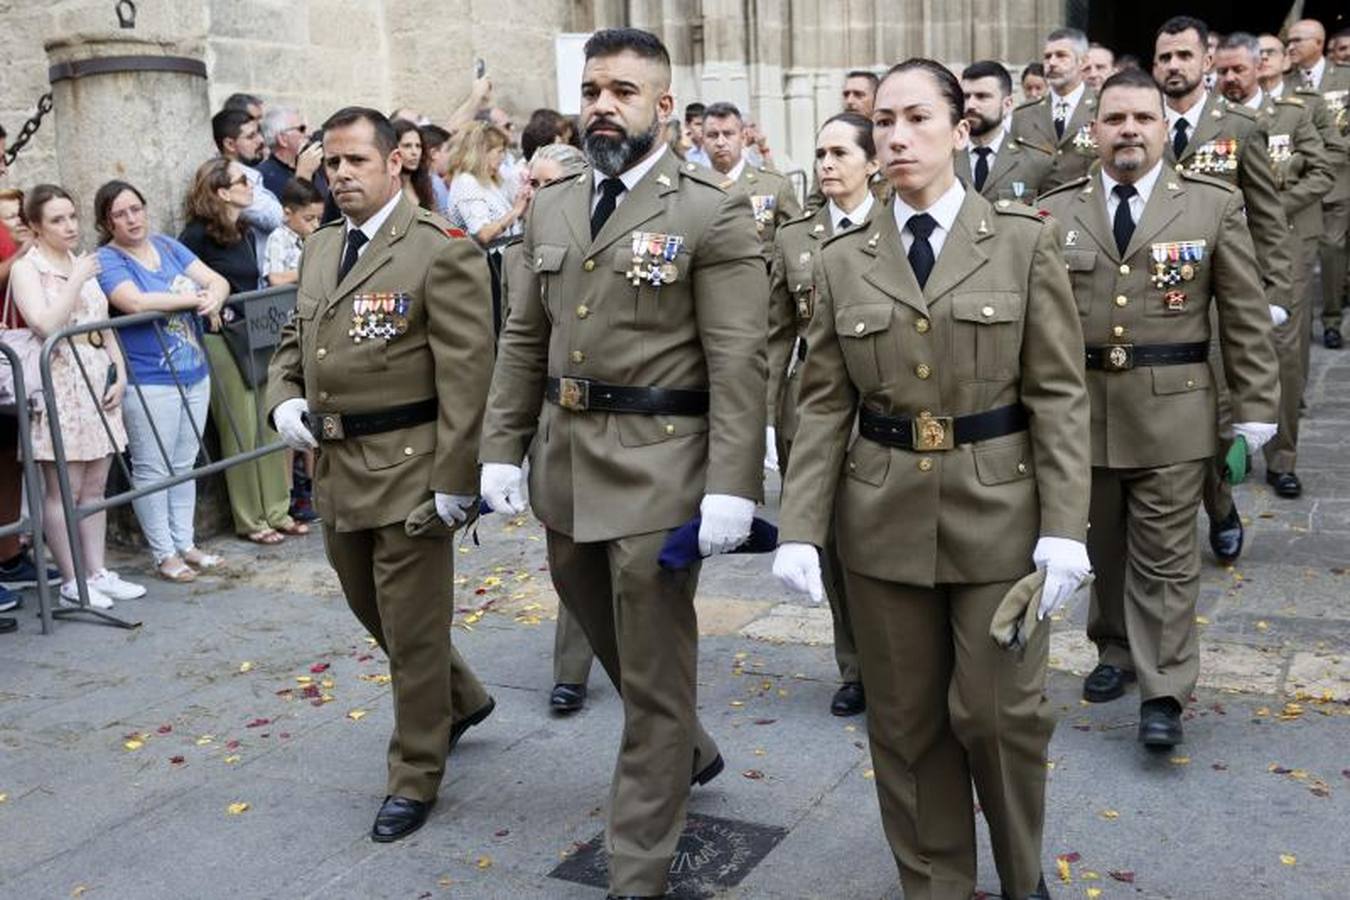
{"type": "Point", "coordinates": [770, 449]}
{"type": "Point", "coordinates": [1258, 434]}
{"type": "Point", "coordinates": [797, 565]}
{"type": "Point", "coordinates": [726, 523]}
{"type": "Point", "coordinates": [1066, 565]}
{"type": "Point", "coordinates": [1278, 315]}
{"type": "Point", "coordinates": [500, 486]}
{"type": "Point", "coordinates": [290, 425]}
{"type": "Point", "coordinates": [454, 508]}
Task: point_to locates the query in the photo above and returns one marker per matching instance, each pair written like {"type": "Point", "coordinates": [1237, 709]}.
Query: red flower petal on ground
{"type": "Point", "coordinates": [1071, 857]}
{"type": "Point", "coordinates": [176, 760]}
{"type": "Point", "coordinates": [258, 723]}
{"type": "Point", "coordinates": [164, 729]}
{"type": "Point", "coordinates": [318, 667]}
{"type": "Point", "coordinates": [1118, 875]}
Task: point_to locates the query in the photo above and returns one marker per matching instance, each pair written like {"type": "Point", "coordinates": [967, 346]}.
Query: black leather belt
{"type": "Point", "coordinates": [1123, 357]}
{"type": "Point", "coordinates": [339, 426]}
{"type": "Point", "coordinates": [581, 394]}
{"type": "Point", "coordinates": [928, 433]}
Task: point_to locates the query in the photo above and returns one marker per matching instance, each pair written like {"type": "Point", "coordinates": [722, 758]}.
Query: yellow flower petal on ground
{"type": "Point", "coordinates": [1263, 625]}
{"type": "Point", "coordinates": [3, 797]}
{"type": "Point", "coordinates": [1288, 859]}
{"type": "Point", "coordinates": [134, 744]}
{"type": "Point", "coordinates": [1062, 867]}
{"type": "Point", "coordinates": [231, 759]}
{"type": "Point", "coordinates": [246, 666]}
{"type": "Point", "coordinates": [484, 862]}
{"type": "Point", "coordinates": [869, 774]}
{"type": "Point", "coordinates": [1181, 760]}
{"type": "Point", "coordinates": [303, 679]}
{"type": "Point", "coordinates": [235, 809]}
{"type": "Point", "coordinates": [204, 740]}
{"type": "Point", "coordinates": [1201, 620]}
{"type": "Point", "coordinates": [1110, 814]}
{"type": "Point", "coordinates": [328, 684]}
{"type": "Point", "coordinates": [356, 715]}
{"type": "Point", "coordinates": [1094, 892]}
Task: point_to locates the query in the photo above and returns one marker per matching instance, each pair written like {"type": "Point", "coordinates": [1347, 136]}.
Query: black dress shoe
{"type": "Point", "coordinates": [457, 730]}
{"type": "Point", "coordinates": [1286, 484]}
{"type": "Point", "coordinates": [398, 817]}
{"type": "Point", "coordinates": [1331, 338]}
{"type": "Point", "coordinates": [1160, 723]}
{"type": "Point", "coordinates": [1106, 683]}
{"type": "Point", "coordinates": [849, 700]}
{"type": "Point", "coordinates": [709, 772]}
{"type": "Point", "coordinates": [8, 624]}
{"type": "Point", "coordinates": [1225, 537]}
{"type": "Point", "coordinates": [567, 698]}
{"type": "Point", "coordinates": [1041, 893]}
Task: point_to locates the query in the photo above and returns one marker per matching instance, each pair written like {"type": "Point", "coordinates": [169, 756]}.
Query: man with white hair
{"type": "Point", "coordinates": [284, 132]}
{"type": "Point", "coordinates": [1061, 121]}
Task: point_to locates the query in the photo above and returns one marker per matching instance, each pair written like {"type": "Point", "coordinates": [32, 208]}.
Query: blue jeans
{"type": "Point", "coordinates": [165, 516]}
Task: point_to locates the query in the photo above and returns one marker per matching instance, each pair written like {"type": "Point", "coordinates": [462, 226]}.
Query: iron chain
{"type": "Point", "coordinates": [29, 128]}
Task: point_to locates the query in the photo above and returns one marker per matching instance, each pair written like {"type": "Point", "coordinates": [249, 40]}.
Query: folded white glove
{"type": "Point", "coordinates": [290, 425]}
{"type": "Point", "coordinates": [1278, 315]}
{"type": "Point", "coordinates": [500, 485]}
{"type": "Point", "coordinates": [1066, 565]}
{"type": "Point", "coordinates": [726, 523]}
{"type": "Point", "coordinates": [770, 449]}
{"type": "Point", "coordinates": [1258, 434]}
{"type": "Point", "coordinates": [454, 508]}
{"type": "Point", "coordinates": [797, 565]}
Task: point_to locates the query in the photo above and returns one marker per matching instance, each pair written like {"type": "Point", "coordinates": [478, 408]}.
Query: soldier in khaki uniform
{"type": "Point", "coordinates": [845, 164]}
{"type": "Point", "coordinates": [1060, 121]}
{"type": "Point", "coordinates": [1207, 135]}
{"type": "Point", "coordinates": [947, 329]}
{"type": "Point", "coordinates": [1304, 174]}
{"type": "Point", "coordinates": [998, 165]}
{"type": "Point", "coordinates": [633, 360]}
{"type": "Point", "coordinates": [1147, 248]}
{"type": "Point", "coordinates": [771, 195]}
{"type": "Point", "coordinates": [391, 309]}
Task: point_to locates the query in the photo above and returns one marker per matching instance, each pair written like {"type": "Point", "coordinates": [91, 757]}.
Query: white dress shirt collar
{"type": "Point", "coordinates": [1257, 100]}
{"type": "Point", "coordinates": [1143, 187]}
{"type": "Point", "coordinates": [1277, 91]}
{"type": "Point", "coordinates": [736, 170]}
{"type": "Point", "coordinates": [630, 177]}
{"type": "Point", "coordinates": [371, 227]}
{"type": "Point", "coordinates": [1315, 73]}
{"type": "Point", "coordinates": [944, 210]}
{"type": "Point", "coordinates": [1073, 98]}
{"type": "Point", "coordinates": [994, 145]}
{"type": "Point", "coordinates": [1192, 116]}
{"type": "Point", "coordinates": [854, 216]}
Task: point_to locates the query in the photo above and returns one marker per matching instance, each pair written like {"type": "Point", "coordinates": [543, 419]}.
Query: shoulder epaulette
{"type": "Point", "coordinates": [1237, 108]}
{"type": "Point", "coordinates": [1027, 104]}
{"type": "Point", "coordinates": [1066, 187]}
{"type": "Point", "coordinates": [1006, 207]}
{"type": "Point", "coordinates": [706, 176]}
{"type": "Point", "coordinates": [1032, 145]}
{"type": "Point", "coordinates": [1291, 101]}
{"type": "Point", "coordinates": [1206, 179]}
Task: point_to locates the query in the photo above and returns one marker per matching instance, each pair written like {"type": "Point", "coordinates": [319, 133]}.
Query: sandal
{"type": "Point", "coordinates": [200, 559]}
{"type": "Point", "coordinates": [266, 536]}
{"type": "Point", "coordinates": [294, 528]}
{"type": "Point", "coordinates": [173, 569]}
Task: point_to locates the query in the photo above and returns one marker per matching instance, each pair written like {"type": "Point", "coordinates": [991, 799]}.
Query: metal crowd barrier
{"type": "Point", "coordinates": [30, 524]}
{"type": "Point", "coordinates": [260, 316]}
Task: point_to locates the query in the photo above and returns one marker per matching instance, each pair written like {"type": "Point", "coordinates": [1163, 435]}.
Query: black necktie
{"type": "Point", "coordinates": [921, 257]}
{"type": "Point", "coordinates": [844, 223]}
{"type": "Point", "coordinates": [1179, 138]}
{"type": "Point", "coordinates": [982, 166]}
{"type": "Point", "coordinates": [610, 189]}
{"type": "Point", "coordinates": [1061, 116]}
{"type": "Point", "coordinates": [356, 239]}
{"type": "Point", "coordinates": [1123, 224]}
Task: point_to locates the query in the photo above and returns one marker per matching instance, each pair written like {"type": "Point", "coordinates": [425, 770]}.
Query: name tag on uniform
{"type": "Point", "coordinates": [1219, 157]}
{"type": "Point", "coordinates": [382, 315]}
{"type": "Point", "coordinates": [1173, 263]}
{"type": "Point", "coordinates": [654, 258]}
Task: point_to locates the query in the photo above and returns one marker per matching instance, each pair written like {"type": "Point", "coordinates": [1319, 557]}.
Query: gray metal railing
{"type": "Point", "coordinates": [262, 314]}
{"type": "Point", "coordinates": [30, 524]}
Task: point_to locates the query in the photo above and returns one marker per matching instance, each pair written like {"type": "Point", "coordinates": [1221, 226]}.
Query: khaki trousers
{"type": "Point", "coordinates": [640, 620]}
{"type": "Point", "coordinates": [401, 590]}
{"type": "Point", "coordinates": [1293, 340]}
{"type": "Point", "coordinates": [832, 575]}
{"type": "Point", "coordinates": [1332, 249]}
{"type": "Point", "coordinates": [945, 705]}
{"type": "Point", "coordinates": [1142, 543]}
{"type": "Point", "coordinates": [572, 654]}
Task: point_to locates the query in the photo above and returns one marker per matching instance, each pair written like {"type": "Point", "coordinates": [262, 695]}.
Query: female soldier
{"type": "Point", "coordinates": [845, 164]}
{"type": "Point", "coordinates": [948, 327]}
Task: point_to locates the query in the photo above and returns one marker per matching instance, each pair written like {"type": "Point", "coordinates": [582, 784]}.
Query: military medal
{"type": "Point", "coordinates": [1176, 301]}
{"type": "Point", "coordinates": [1082, 140]}
{"type": "Point", "coordinates": [763, 205]}
{"type": "Point", "coordinates": [1280, 147]}
{"type": "Point", "coordinates": [654, 258]}
{"type": "Point", "coordinates": [379, 315]}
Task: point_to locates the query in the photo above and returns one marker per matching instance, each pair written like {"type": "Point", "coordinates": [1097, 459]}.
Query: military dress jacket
{"type": "Point", "coordinates": [994, 326]}
{"type": "Point", "coordinates": [1189, 245]}
{"type": "Point", "coordinates": [672, 293]}
{"type": "Point", "coordinates": [1302, 161]}
{"type": "Point", "coordinates": [773, 201]}
{"type": "Point", "coordinates": [1018, 173]}
{"type": "Point", "coordinates": [1033, 122]}
{"type": "Point", "coordinates": [1228, 143]}
{"type": "Point", "coordinates": [424, 302]}
{"type": "Point", "coordinates": [1332, 124]}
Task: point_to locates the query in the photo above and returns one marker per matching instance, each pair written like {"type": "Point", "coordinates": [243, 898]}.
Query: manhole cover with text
{"type": "Point", "coordinates": [713, 854]}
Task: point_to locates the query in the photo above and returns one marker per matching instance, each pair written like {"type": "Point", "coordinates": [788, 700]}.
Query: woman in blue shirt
{"type": "Point", "coordinates": [170, 381]}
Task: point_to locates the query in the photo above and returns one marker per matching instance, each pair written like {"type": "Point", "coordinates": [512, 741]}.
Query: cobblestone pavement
{"type": "Point", "coordinates": [233, 745]}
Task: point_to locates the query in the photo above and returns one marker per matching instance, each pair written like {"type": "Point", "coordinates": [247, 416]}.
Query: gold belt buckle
{"type": "Point", "coordinates": [330, 426]}
{"type": "Point", "coordinates": [574, 393]}
{"type": "Point", "coordinates": [933, 433]}
{"type": "Point", "coordinates": [1118, 357]}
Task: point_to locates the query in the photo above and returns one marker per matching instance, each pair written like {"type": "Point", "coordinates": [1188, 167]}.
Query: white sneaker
{"type": "Point", "coordinates": [70, 596]}
{"type": "Point", "coordinates": [110, 583]}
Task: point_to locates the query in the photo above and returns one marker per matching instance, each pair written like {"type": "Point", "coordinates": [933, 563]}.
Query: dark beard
{"type": "Point", "coordinates": [613, 156]}
{"type": "Point", "coordinates": [980, 126]}
{"type": "Point", "coordinates": [1181, 91]}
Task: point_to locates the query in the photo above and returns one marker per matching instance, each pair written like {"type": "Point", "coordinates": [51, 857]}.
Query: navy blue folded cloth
{"type": "Point", "coordinates": [680, 550]}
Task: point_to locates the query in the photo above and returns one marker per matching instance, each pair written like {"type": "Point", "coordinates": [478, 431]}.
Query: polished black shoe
{"type": "Point", "coordinates": [709, 772]}
{"type": "Point", "coordinates": [567, 698]}
{"type": "Point", "coordinates": [849, 700]}
{"type": "Point", "coordinates": [1160, 723]}
{"type": "Point", "coordinates": [1041, 893]}
{"type": "Point", "coordinates": [398, 817]}
{"type": "Point", "coordinates": [8, 624]}
{"type": "Point", "coordinates": [1286, 484]}
{"type": "Point", "coordinates": [457, 730]}
{"type": "Point", "coordinates": [1331, 338]}
{"type": "Point", "coordinates": [1105, 683]}
{"type": "Point", "coordinates": [1225, 537]}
